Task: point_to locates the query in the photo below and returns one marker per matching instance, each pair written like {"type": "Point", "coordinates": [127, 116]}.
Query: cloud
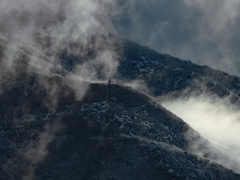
{"type": "Point", "coordinates": [216, 120]}
{"type": "Point", "coordinates": [205, 32]}
{"type": "Point", "coordinates": [38, 38]}
{"type": "Point", "coordinates": [36, 34]}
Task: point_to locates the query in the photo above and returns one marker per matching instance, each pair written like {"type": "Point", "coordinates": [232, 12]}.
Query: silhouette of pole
{"type": "Point", "coordinates": [108, 89]}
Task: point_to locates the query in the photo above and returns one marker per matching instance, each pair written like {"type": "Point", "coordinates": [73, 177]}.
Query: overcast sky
{"type": "Point", "coordinates": [203, 31]}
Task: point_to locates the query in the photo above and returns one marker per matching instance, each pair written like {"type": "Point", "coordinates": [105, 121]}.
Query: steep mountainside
{"type": "Point", "coordinates": [114, 132]}
{"type": "Point", "coordinates": [58, 126]}
{"type": "Point", "coordinates": [164, 74]}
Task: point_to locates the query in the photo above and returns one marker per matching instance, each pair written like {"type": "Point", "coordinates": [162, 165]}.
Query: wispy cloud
{"type": "Point", "coordinates": [35, 34]}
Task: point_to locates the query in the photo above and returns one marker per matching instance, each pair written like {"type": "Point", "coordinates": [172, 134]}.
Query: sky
{"type": "Point", "coordinates": [202, 31]}
{"type": "Point", "coordinates": [205, 32]}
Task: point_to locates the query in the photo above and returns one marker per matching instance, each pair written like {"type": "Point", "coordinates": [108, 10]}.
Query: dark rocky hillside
{"type": "Point", "coordinates": [164, 74]}
{"type": "Point", "coordinates": [56, 127]}
{"type": "Point", "coordinates": [114, 132]}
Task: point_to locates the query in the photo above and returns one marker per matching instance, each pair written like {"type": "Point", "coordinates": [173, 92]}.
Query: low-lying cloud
{"type": "Point", "coordinates": [216, 120]}
{"type": "Point", "coordinates": [40, 36]}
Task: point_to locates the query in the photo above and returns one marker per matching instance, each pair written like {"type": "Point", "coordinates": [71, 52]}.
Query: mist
{"type": "Point", "coordinates": [40, 37]}
{"type": "Point", "coordinates": [217, 121]}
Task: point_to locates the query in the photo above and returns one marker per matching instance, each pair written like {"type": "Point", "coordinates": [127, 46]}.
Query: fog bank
{"type": "Point", "coordinates": [217, 120]}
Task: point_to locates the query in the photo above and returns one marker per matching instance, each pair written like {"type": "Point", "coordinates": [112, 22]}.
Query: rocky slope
{"type": "Point", "coordinates": [164, 74]}
{"type": "Point", "coordinates": [53, 127]}
{"type": "Point", "coordinates": [114, 132]}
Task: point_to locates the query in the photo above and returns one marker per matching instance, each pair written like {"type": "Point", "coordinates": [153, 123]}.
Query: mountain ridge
{"type": "Point", "coordinates": [50, 130]}
{"type": "Point", "coordinates": [164, 74]}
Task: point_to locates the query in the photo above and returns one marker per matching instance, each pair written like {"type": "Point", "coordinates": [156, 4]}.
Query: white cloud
{"type": "Point", "coordinates": [217, 120]}
{"type": "Point", "coordinates": [36, 33]}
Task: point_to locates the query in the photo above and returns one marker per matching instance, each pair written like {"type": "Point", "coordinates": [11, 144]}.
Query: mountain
{"type": "Point", "coordinates": [114, 132]}
{"type": "Point", "coordinates": [98, 130]}
{"type": "Point", "coordinates": [161, 74]}
{"type": "Point", "coordinates": [164, 74]}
